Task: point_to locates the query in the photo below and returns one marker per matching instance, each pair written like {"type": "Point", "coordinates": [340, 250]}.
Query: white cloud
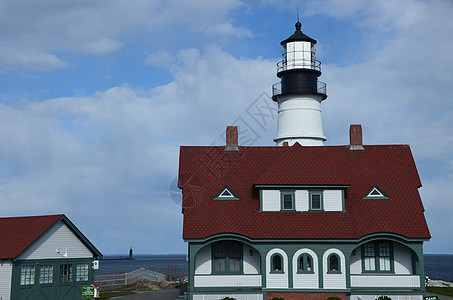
{"type": "Point", "coordinates": [115, 153]}
{"type": "Point", "coordinates": [31, 59]}
{"type": "Point", "coordinates": [400, 92]}
{"type": "Point", "coordinates": [104, 45]}
{"type": "Point", "coordinates": [162, 59]}
{"type": "Point", "coordinates": [53, 27]}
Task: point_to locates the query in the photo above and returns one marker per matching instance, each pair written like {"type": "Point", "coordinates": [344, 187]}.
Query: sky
{"type": "Point", "coordinates": [96, 97]}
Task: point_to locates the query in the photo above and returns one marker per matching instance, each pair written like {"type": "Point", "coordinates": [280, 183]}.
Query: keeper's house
{"type": "Point", "coordinates": [301, 220]}
{"type": "Point", "coordinates": [44, 257]}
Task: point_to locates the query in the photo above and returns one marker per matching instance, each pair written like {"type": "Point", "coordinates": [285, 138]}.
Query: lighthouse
{"type": "Point", "coordinates": [299, 93]}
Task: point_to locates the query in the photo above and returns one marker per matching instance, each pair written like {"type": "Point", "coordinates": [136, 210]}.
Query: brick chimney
{"type": "Point", "coordinates": [355, 137]}
{"type": "Point", "coordinates": [232, 139]}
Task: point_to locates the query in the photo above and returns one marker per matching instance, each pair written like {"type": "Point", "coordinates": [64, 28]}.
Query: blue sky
{"type": "Point", "coordinates": [97, 96]}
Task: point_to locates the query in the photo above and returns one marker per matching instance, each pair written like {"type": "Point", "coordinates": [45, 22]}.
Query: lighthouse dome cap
{"type": "Point", "coordinates": [298, 36]}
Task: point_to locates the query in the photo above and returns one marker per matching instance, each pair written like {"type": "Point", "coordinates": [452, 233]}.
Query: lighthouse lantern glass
{"type": "Point", "coordinates": [298, 55]}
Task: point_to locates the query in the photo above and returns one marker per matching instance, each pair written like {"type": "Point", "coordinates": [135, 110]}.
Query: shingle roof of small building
{"type": "Point", "coordinates": [204, 171]}
{"type": "Point", "coordinates": [18, 233]}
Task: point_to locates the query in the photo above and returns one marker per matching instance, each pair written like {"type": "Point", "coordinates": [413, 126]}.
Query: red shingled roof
{"type": "Point", "coordinates": [204, 171]}
{"type": "Point", "coordinates": [17, 233]}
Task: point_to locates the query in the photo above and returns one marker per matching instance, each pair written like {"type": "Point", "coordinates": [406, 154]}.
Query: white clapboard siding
{"type": "Point", "coordinates": [334, 281]}
{"type": "Point", "coordinates": [276, 280]}
{"type": "Point", "coordinates": [393, 297]}
{"type": "Point", "coordinates": [60, 238]}
{"type": "Point", "coordinates": [251, 260]}
{"type": "Point", "coordinates": [305, 281]}
{"type": "Point", "coordinates": [5, 280]}
{"type": "Point", "coordinates": [301, 200]}
{"type": "Point", "coordinates": [203, 261]}
{"type": "Point", "coordinates": [356, 261]}
{"type": "Point", "coordinates": [402, 259]}
{"type": "Point", "coordinates": [235, 296]}
{"type": "Point", "coordinates": [227, 280]}
{"type": "Point", "coordinates": [333, 200]}
{"type": "Point", "coordinates": [270, 200]}
{"type": "Point", "coordinates": [399, 281]}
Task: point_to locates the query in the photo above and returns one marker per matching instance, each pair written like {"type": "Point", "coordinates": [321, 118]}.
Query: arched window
{"type": "Point", "coordinates": [334, 263]}
{"type": "Point", "coordinates": [305, 263]}
{"type": "Point", "coordinates": [276, 263]}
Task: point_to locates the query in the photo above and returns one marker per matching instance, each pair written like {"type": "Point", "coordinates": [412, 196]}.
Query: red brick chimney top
{"type": "Point", "coordinates": [355, 137]}
{"type": "Point", "coordinates": [232, 138]}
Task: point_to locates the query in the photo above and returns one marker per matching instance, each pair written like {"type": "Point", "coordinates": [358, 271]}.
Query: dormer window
{"type": "Point", "coordinates": [315, 199]}
{"type": "Point", "coordinates": [226, 194]}
{"type": "Point", "coordinates": [287, 200]}
{"type": "Point", "coordinates": [301, 198]}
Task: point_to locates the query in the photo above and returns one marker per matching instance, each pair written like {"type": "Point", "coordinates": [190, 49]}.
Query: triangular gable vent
{"type": "Point", "coordinates": [226, 194]}
{"type": "Point", "coordinates": [376, 193]}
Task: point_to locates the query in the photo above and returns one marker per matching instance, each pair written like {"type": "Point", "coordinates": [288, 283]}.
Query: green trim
{"type": "Point", "coordinates": [56, 289]}
{"type": "Point", "coordinates": [319, 247]}
{"type": "Point", "coordinates": [381, 196]}
{"type": "Point", "coordinates": [375, 289]}
{"type": "Point", "coordinates": [305, 256]}
{"type": "Point", "coordinates": [273, 270]}
{"type": "Point", "coordinates": [343, 205]}
{"type": "Point", "coordinates": [364, 239]}
{"type": "Point", "coordinates": [321, 199]}
{"type": "Point", "coordinates": [297, 186]}
{"type": "Point", "coordinates": [261, 200]}
{"type": "Point", "coordinates": [227, 247]}
{"type": "Point", "coordinates": [355, 292]}
{"type": "Point", "coordinates": [272, 290]}
{"type": "Point", "coordinates": [332, 271]}
{"type": "Point", "coordinates": [377, 258]}
{"type": "Point", "coordinates": [227, 189]}
{"type": "Point", "coordinates": [283, 193]}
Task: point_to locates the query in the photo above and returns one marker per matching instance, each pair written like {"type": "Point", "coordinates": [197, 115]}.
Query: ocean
{"type": "Point", "coordinates": [112, 264]}
{"type": "Point", "coordinates": [437, 266]}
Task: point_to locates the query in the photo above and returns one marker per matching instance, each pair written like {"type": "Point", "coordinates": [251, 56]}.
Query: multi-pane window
{"type": "Point", "coordinates": [288, 201]}
{"type": "Point", "coordinates": [315, 201]}
{"type": "Point", "coordinates": [384, 256]}
{"type": "Point", "coordinates": [82, 272]}
{"type": "Point", "coordinates": [27, 275]}
{"type": "Point", "coordinates": [305, 263]}
{"type": "Point", "coordinates": [369, 257]}
{"type": "Point", "coordinates": [287, 198]}
{"type": "Point", "coordinates": [377, 257]}
{"type": "Point", "coordinates": [227, 257]}
{"type": "Point", "coordinates": [66, 273]}
{"type": "Point", "coordinates": [277, 263]}
{"type": "Point", "coordinates": [45, 274]}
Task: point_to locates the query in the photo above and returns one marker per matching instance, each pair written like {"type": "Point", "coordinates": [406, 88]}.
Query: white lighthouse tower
{"type": "Point", "coordinates": [299, 93]}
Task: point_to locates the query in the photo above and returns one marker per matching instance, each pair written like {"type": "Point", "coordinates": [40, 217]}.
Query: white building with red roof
{"type": "Point", "coordinates": [301, 220]}
{"type": "Point", "coordinates": [44, 257]}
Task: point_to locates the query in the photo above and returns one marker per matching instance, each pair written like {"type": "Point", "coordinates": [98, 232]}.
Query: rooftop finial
{"type": "Point", "coordinates": [298, 24]}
